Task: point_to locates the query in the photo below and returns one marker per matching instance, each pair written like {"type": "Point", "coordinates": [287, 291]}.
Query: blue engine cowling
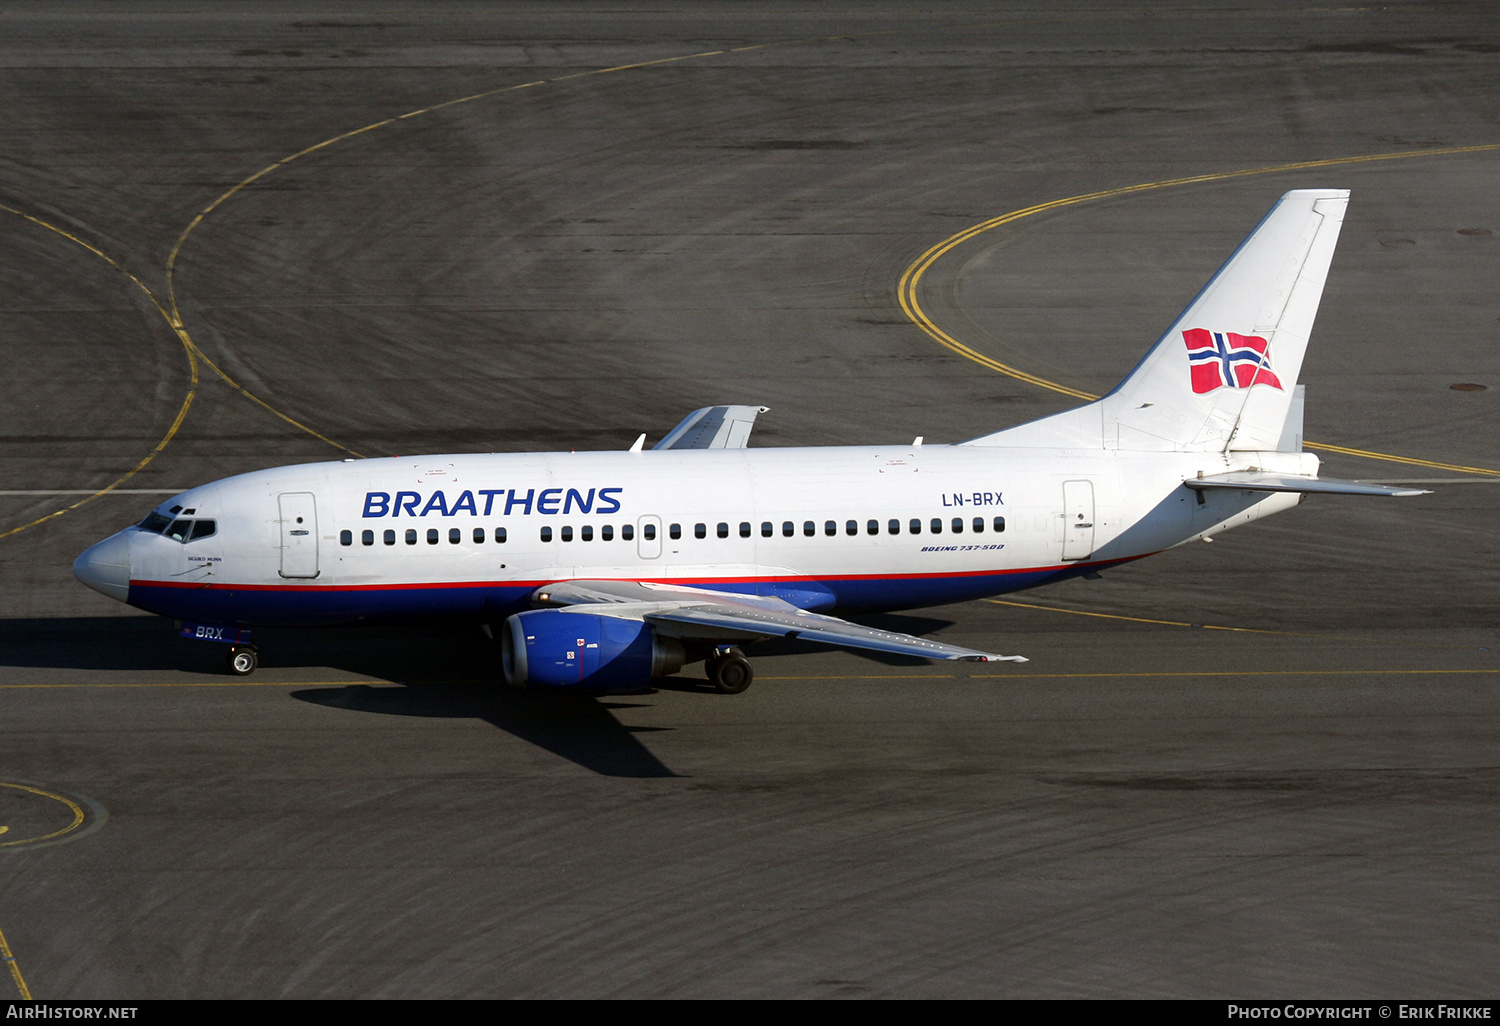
{"type": "Point", "coordinates": [584, 651]}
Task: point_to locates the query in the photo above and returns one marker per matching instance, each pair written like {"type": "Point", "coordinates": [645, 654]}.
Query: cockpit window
{"type": "Point", "coordinates": [182, 529]}
{"type": "Point", "coordinates": [154, 522]}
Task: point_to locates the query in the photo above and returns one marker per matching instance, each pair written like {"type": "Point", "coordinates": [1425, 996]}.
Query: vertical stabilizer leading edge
{"type": "Point", "coordinates": [1224, 375]}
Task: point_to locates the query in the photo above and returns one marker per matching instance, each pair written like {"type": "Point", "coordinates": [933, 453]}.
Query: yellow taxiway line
{"type": "Point", "coordinates": [15, 968]}
{"type": "Point", "coordinates": [907, 287]}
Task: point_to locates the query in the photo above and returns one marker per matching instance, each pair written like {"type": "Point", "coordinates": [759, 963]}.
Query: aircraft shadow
{"type": "Point", "coordinates": [443, 671]}
{"type": "Point", "coordinates": [94, 643]}
{"type": "Point", "coordinates": [578, 728]}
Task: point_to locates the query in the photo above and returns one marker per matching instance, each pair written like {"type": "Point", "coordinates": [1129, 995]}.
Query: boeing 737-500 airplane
{"type": "Point", "coordinates": [604, 570]}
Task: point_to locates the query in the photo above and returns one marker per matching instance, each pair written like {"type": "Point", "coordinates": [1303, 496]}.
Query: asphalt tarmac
{"type": "Point", "coordinates": [241, 235]}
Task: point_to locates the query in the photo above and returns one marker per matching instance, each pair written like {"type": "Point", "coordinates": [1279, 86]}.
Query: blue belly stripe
{"type": "Point", "coordinates": [315, 605]}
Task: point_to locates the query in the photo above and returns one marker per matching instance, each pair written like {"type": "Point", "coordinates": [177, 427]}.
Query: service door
{"type": "Point", "coordinates": [299, 534]}
{"type": "Point", "coordinates": [648, 537]}
{"type": "Point", "coordinates": [1078, 519]}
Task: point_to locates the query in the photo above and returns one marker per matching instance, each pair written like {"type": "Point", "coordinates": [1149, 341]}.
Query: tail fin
{"type": "Point", "coordinates": [1224, 375]}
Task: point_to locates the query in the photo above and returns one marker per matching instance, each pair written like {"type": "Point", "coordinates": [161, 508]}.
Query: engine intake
{"type": "Point", "coordinates": [584, 651]}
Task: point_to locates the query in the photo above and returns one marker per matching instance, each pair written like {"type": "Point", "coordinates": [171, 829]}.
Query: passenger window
{"type": "Point", "coordinates": [700, 530]}
{"type": "Point", "coordinates": [627, 532]}
{"type": "Point", "coordinates": [390, 537]}
{"type": "Point", "coordinates": [999, 524]}
{"type": "Point", "coordinates": [675, 531]}
{"type": "Point", "coordinates": [432, 536]}
{"type": "Point", "coordinates": [365, 537]}
{"type": "Point", "coordinates": [936, 525]}
{"type": "Point", "coordinates": [455, 536]}
{"type": "Point", "coordinates": [915, 526]}
{"type": "Point", "coordinates": [723, 530]}
{"type": "Point", "coordinates": [893, 527]}
{"type": "Point", "coordinates": [546, 534]}
{"type": "Point", "coordinates": [744, 529]}
{"type": "Point", "coordinates": [851, 527]}
{"type": "Point", "coordinates": [649, 530]}
{"type": "Point", "coordinates": [958, 525]}
{"type": "Point", "coordinates": [478, 536]}
{"type": "Point", "coordinates": [411, 536]}
{"type": "Point", "coordinates": [567, 533]}
{"type": "Point", "coordinates": [202, 529]}
{"type": "Point", "coordinates": [586, 533]}
{"type": "Point", "coordinates": [809, 528]}
{"type": "Point", "coordinates": [830, 527]}
{"type": "Point", "coordinates": [766, 529]}
{"type": "Point", "coordinates": [607, 532]}
{"type": "Point", "coordinates": [499, 536]}
{"type": "Point", "coordinates": [979, 525]}
{"type": "Point", "coordinates": [346, 537]}
{"type": "Point", "coordinates": [788, 529]}
{"type": "Point", "coordinates": [872, 527]}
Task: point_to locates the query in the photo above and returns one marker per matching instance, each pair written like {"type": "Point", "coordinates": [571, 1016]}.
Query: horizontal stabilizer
{"type": "Point", "coordinates": [1259, 481]}
{"type": "Point", "coordinates": [713, 427]}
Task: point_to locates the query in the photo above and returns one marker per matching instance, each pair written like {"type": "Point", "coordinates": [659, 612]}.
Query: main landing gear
{"type": "Point", "coordinates": [729, 671]}
{"type": "Point", "coordinates": [243, 659]}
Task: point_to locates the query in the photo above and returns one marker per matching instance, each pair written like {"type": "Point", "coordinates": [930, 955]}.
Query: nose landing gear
{"type": "Point", "coordinates": [243, 659]}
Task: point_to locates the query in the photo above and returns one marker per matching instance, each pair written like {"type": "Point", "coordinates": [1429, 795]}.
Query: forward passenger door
{"type": "Point", "coordinates": [299, 534]}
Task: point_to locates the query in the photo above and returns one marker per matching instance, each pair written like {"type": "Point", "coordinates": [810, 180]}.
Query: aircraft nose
{"type": "Point", "coordinates": [106, 567]}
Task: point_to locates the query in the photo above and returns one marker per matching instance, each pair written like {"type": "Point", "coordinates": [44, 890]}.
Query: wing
{"type": "Point", "coordinates": [699, 614]}
{"type": "Point", "coordinates": [713, 427]}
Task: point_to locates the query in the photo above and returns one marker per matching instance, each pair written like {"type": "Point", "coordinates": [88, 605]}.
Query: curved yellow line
{"type": "Point", "coordinates": [188, 347]}
{"type": "Point", "coordinates": [906, 289]}
{"type": "Point", "coordinates": [78, 815]}
{"type": "Point", "coordinates": [15, 969]}
{"type": "Point", "coordinates": [175, 315]}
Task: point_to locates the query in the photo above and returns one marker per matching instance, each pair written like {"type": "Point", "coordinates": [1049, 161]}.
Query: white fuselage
{"type": "Point", "coordinates": [875, 527]}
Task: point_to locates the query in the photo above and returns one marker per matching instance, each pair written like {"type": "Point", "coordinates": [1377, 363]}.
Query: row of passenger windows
{"type": "Point", "coordinates": [455, 536]}
{"type": "Point", "coordinates": [648, 531]}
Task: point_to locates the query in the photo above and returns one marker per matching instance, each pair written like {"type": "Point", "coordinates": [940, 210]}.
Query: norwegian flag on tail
{"type": "Point", "coordinates": [1223, 359]}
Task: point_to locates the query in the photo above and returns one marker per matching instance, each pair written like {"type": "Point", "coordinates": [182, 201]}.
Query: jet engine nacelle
{"type": "Point", "coordinates": [558, 649]}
